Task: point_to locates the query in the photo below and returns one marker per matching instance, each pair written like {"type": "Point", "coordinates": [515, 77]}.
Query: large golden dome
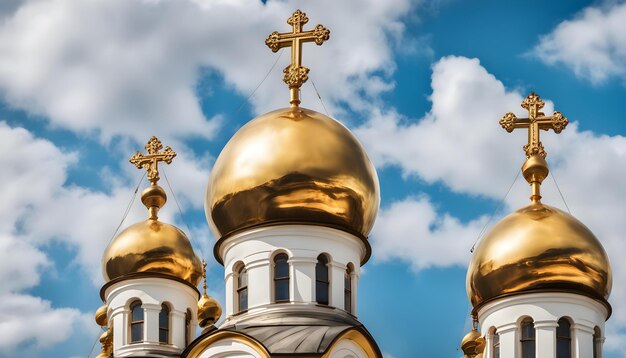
{"type": "Point", "coordinates": [292, 165]}
{"type": "Point", "coordinates": [151, 246]}
{"type": "Point", "coordinates": [538, 249]}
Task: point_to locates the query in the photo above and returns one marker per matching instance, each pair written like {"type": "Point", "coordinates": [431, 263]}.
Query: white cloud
{"type": "Point", "coordinates": [39, 208]}
{"type": "Point", "coordinates": [593, 44]}
{"type": "Point", "coordinates": [130, 68]}
{"type": "Point", "coordinates": [460, 144]}
{"type": "Point", "coordinates": [413, 230]}
{"type": "Point", "coordinates": [25, 319]}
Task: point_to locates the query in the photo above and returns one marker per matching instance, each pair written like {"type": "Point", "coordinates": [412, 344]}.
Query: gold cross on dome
{"type": "Point", "coordinates": [295, 73]}
{"type": "Point", "coordinates": [536, 120]}
{"type": "Point", "coordinates": [150, 161]}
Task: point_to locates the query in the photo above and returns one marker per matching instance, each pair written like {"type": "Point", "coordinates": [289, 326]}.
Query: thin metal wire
{"type": "Point", "coordinates": [494, 212]}
{"type": "Point", "coordinates": [259, 85]}
{"type": "Point", "coordinates": [94, 343]}
{"type": "Point", "coordinates": [128, 207]}
{"type": "Point", "coordinates": [560, 193]}
{"type": "Point", "coordinates": [320, 97]}
{"type": "Point", "coordinates": [181, 214]}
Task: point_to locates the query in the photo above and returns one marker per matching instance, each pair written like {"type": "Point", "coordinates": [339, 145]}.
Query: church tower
{"type": "Point", "coordinates": [539, 280]}
{"type": "Point", "coordinates": [291, 200]}
{"type": "Point", "coordinates": [151, 274]}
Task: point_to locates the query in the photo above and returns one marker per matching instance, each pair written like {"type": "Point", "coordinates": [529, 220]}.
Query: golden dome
{"type": "Point", "coordinates": [473, 344]}
{"type": "Point", "coordinates": [151, 246]}
{"type": "Point", "coordinates": [538, 249]}
{"type": "Point", "coordinates": [101, 316]}
{"type": "Point", "coordinates": [292, 165]}
{"type": "Point", "coordinates": [209, 310]}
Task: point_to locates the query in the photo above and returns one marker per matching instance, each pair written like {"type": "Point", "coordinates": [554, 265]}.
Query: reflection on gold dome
{"type": "Point", "coordinates": [152, 246]}
{"type": "Point", "coordinates": [538, 248]}
{"type": "Point", "coordinates": [292, 165]}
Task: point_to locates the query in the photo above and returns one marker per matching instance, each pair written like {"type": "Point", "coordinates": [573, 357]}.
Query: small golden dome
{"type": "Point", "coordinates": [151, 246]}
{"type": "Point", "coordinates": [209, 311]}
{"type": "Point", "coordinates": [101, 316]}
{"type": "Point", "coordinates": [472, 344]}
{"type": "Point", "coordinates": [292, 165]}
{"type": "Point", "coordinates": [538, 249]}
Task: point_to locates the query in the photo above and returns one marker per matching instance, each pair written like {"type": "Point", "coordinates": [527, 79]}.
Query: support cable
{"type": "Point", "coordinates": [560, 193]}
{"type": "Point", "coordinates": [180, 212]}
{"type": "Point", "coordinates": [320, 97]}
{"type": "Point", "coordinates": [243, 103]}
{"type": "Point", "coordinates": [128, 207]}
{"type": "Point", "coordinates": [480, 235]}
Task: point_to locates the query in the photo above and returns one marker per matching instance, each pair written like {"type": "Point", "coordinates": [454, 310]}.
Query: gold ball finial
{"type": "Point", "coordinates": [209, 310]}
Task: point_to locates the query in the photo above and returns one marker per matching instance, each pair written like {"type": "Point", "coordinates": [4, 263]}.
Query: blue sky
{"type": "Point", "coordinates": [83, 85]}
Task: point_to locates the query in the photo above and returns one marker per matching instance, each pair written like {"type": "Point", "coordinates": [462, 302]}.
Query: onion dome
{"type": "Point", "coordinates": [473, 344]}
{"type": "Point", "coordinates": [538, 248]}
{"type": "Point", "coordinates": [292, 165]}
{"type": "Point", "coordinates": [209, 309]}
{"type": "Point", "coordinates": [152, 246]}
{"type": "Point", "coordinates": [101, 316]}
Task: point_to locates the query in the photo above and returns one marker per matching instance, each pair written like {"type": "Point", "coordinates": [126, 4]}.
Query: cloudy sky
{"type": "Point", "coordinates": [85, 83]}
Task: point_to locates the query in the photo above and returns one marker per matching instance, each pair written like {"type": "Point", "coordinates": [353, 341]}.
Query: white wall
{"type": "Point", "coordinates": [152, 292]}
{"type": "Point", "coordinates": [506, 315]}
{"type": "Point", "coordinates": [303, 244]}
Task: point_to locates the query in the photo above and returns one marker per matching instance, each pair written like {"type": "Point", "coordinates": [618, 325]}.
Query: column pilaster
{"type": "Point", "coordinates": [582, 340]}
{"type": "Point", "coordinates": [545, 338]}
{"type": "Point", "coordinates": [508, 340]}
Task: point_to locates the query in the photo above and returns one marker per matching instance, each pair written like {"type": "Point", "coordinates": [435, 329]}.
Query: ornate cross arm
{"type": "Point", "coordinates": [295, 73]}
{"type": "Point", "coordinates": [150, 161]}
{"type": "Point", "coordinates": [535, 169]}
{"type": "Point", "coordinates": [536, 121]}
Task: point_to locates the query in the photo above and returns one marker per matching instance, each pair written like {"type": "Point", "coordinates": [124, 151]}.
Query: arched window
{"type": "Point", "coordinates": [321, 280]}
{"type": "Point", "coordinates": [242, 289]}
{"type": "Point", "coordinates": [597, 342]}
{"type": "Point", "coordinates": [563, 339]}
{"type": "Point", "coordinates": [136, 322]}
{"type": "Point", "coordinates": [528, 338]}
{"type": "Point", "coordinates": [164, 324]}
{"type": "Point", "coordinates": [347, 288]}
{"type": "Point", "coordinates": [187, 326]}
{"type": "Point", "coordinates": [281, 278]}
{"type": "Point", "coordinates": [495, 344]}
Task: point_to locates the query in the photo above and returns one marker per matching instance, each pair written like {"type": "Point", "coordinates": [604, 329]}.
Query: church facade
{"type": "Point", "coordinates": [291, 200]}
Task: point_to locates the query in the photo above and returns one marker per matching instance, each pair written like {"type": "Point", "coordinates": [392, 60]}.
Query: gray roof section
{"type": "Point", "coordinates": [307, 333]}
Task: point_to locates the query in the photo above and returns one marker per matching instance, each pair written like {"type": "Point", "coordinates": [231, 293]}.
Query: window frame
{"type": "Point", "coordinates": [525, 323]}
{"type": "Point", "coordinates": [347, 288]}
{"type": "Point", "coordinates": [495, 344]}
{"type": "Point", "coordinates": [560, 338]}
{"type": "Point", "coordinates": [322, 261]}
{"type": "Point", "coordinates": [187, 326]}
{"type": "Point", "coordinates": [277, 279]}
{"type": "Point", "coordinates": [136, 304]}
{"type": "Point", "coordinates": [241, 289]}
{"type": "Point", "coordinates": [165, 308]}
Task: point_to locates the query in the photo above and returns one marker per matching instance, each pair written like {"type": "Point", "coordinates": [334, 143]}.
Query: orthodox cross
{"type": "Point", "coordinates": [536, 120]}
{"type": "Point", "coordinates": [295, 73]}
{"type": "Point", "coordinates": [150, 161]}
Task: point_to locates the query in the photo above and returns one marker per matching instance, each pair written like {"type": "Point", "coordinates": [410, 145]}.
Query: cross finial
{"type": "Point", "coordinates": [150, 161]}
{"type": "Point", "coordinates": [535, 169]}
{"type": "Point", "coordinates": [295, 73]}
